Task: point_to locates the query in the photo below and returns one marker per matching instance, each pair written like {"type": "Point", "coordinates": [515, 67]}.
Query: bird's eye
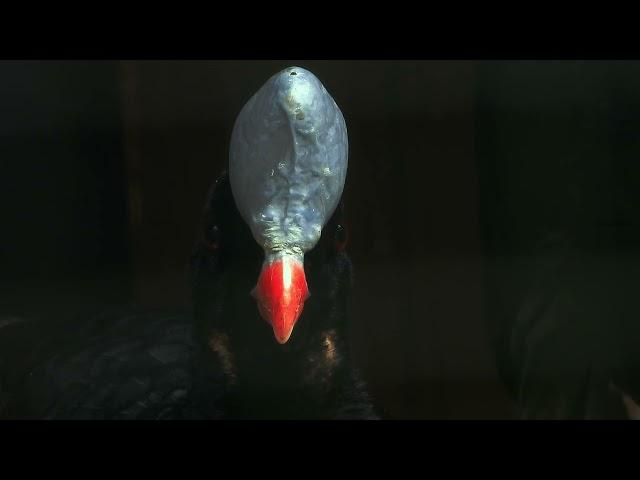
{"type": "Point", "coordinates": [212, 237]}
{"type": "Point", "coordinates": [341, 237]}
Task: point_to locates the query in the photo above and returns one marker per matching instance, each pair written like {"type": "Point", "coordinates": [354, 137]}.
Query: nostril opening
{"type": "Point", "coordinates": [293, 73]}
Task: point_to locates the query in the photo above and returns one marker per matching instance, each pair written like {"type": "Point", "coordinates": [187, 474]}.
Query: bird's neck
{"type": "Point", "coordinates": [275, 381]}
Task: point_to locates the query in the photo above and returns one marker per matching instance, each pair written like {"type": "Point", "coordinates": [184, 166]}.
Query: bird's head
{"type": "Point", "coordinates": [227, 261]}
{"type": "Point", "coordinates": [287, 168]}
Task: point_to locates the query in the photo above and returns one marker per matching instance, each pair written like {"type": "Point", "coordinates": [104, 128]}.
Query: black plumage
{"type": "Point", "coordinates": [218, 362]}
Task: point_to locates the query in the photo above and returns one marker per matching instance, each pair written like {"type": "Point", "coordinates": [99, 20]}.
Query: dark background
{"type": "Point", "coordinates": [456, 170]}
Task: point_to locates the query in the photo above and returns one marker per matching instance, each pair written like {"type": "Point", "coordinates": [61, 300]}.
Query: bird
{"type": "Point", "coordinates": [569, 349]}
{"type": "Point", "coordinates": [271, 255]}
{"type": "Point", "coordinates": [313, 371]}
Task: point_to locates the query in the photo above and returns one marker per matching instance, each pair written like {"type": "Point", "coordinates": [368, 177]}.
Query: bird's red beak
{"type": "Point", "coordinates": [281, 292]}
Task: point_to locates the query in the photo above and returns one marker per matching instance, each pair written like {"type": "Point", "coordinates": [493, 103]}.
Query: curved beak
{"type": "Point", "coordinates": [281, 292]}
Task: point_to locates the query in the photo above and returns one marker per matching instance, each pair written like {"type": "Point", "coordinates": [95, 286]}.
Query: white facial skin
{"type": "Point", "coordinates": [288, 162]}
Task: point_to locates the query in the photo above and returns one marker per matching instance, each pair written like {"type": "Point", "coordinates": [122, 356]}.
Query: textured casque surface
{"type": "Point", "coordinates": [288, 161]}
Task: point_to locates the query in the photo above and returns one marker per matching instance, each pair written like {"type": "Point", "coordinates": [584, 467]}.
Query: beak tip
{"type": "Point", "coordinates": [282, 340]}
{"type": "Point", "coordinates": [282, 332]}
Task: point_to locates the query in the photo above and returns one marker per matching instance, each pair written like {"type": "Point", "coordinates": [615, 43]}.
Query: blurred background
{"type": "Point", "coordinates": [456, 170]}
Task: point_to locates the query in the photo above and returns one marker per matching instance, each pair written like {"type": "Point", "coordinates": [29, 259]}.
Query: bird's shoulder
{"type": "Point", "coordinates": [120, 364]}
